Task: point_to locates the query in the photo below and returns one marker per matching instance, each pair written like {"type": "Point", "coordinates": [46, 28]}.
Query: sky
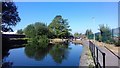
{"type": "Point", "coordinates": [81, 15]}
{"type": "Point", "coordinates": [66, 0]}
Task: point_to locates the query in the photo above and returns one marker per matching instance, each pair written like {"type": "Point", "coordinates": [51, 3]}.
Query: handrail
{"type": "Point", "coordinates": [94, 51]}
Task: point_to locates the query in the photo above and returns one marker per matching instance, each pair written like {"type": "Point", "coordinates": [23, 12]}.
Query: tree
{"type": "Point", "coordinates": [30, 31]}
{"type": "Point", "coordinates": [20, 31]}
{"type": "Point", "coordinates": [89, 33]}
{"type": "Point", "coordinates": [41, 28]}
{"type": "Point", "coordinates": [105, 33]}
{"type": "Point", "coordinates": [77, 34]}
{"type": "Point", "coordinates": [10, 16]}
{"type": "Point", "coordinates": [59, 27]}
{"type": "Point", "coordinates": [37, 29]}
{"type": "Point", "coordinates": [38, 33]}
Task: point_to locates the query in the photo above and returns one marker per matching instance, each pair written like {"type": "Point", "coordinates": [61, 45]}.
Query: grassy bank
{"type": "Point", "coordinates": [112, 47]}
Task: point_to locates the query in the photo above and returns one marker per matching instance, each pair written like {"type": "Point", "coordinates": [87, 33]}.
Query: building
{"type": "Point", "coordinates": [15, 32]}
{"type": "Point", "coordinates": [116, 32]}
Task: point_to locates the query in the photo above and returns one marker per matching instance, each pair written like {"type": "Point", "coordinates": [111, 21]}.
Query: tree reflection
{"type": "Point", "coordinates": [7, 65]}
{"type": "Point", "coordinates": [59, 52]}
{"type": "Point", "coordinates": [37, 53]}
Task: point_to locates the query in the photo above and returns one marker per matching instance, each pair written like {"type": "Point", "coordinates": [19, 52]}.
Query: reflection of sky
{"type": "Point", "coordinates": [19, 58]}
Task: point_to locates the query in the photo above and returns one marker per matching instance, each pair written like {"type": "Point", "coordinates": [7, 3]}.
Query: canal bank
{"type": "Point", "coordinates": [86, 57]}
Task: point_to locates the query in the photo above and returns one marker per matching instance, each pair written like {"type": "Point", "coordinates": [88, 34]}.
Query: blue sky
{"type": "Point", "coordinates": [79, 14]}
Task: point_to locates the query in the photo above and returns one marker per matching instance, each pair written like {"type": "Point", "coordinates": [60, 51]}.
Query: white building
{"type": "Point", "coordinates": [15, 32]}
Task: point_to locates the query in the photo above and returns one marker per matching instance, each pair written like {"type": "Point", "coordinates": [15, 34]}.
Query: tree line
{"type": "Point", "coordinates": [105, 35]}
{"type": "Point", "coordinates": [58, 28]}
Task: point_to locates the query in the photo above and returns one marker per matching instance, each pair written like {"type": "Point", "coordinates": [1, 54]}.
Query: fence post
{"type": "Point", "coordinates": [103, 60]}
{"type": "Point", "coordinates": [97, 56]}
{"type": "Point", "coordinates": [94, 50]}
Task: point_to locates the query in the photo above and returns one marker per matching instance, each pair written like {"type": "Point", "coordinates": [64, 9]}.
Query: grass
{"type": "Point", "coordinates": [112, 47]}
{"type": "Point", "coordinates": [91, 66]}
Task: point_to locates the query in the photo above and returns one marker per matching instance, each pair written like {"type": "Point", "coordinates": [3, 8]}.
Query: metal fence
{"type": "Point", "coordinates": [96, 54]}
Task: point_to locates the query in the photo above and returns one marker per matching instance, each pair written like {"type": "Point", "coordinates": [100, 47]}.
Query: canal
{"type": "Point", "coordinates": [54, 55]}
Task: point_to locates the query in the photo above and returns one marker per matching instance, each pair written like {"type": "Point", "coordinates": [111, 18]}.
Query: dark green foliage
{"type": "Point", "coordinates": [59, 27]}
{"type": "Point", "coordinates": [40, 28]}
{"type": "Point", "coordinates": [117, 43]}
{"type": "Point", "coordinates": [36, 29]}
{"type": "Point", "coordinates": [10, 16]}
{"type": "Point", "coordinates": [77, 35]}
{"type": "Point", "coordinates": [38, 34]}
{"type": "Point", "coordinates": [41, 41]}
{"type": "Point", "coordinates": [20, 31]}
{"type": "Point", "coordinates": [105, 33]}
{"type": "Point", "coordinates": [30, 31]}
{"type": "Point", "coordinates": [98, 37]}
{"type": "Point", "coordinates": [106, 36]}
{"type": "Point", "coordinates": [89, 34]}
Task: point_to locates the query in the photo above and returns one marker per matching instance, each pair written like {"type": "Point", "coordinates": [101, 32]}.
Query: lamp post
{"type": "Point", "coordinates": [93, 19]}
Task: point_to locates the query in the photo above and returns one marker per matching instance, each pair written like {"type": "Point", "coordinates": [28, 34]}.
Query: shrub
{"type": "Point", "coordinates": [117, 43]}
{"type": "Point", "coordinates": [40, 41]}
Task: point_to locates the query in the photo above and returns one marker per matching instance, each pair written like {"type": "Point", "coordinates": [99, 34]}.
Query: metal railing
{"type": "Point", "coordinates": [95, 51]}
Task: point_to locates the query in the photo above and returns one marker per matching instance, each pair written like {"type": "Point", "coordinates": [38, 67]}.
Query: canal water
{"type": "Point", "coordinates": [54, 55]}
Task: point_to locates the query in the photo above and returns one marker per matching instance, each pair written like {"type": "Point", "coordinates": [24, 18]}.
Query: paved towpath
{"type": "Point", "coordinates": [110, 58]}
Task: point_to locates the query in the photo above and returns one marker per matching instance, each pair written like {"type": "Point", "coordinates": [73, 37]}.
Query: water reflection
{"type": "Point", "coordinates": [7, 65]}
{"type": "Point", "coordinates": [32, 51]}
{"type": "Point", "coordinates": [6, 46]}
{"type": "Point", "coordinates": [61, 54]}
{"type": "Point", "coordinates": [57, 51]}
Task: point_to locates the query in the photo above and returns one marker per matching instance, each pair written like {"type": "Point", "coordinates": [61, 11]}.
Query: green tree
{"type": "Point", "coordinates": [89, 33]}
{"type": "Point", "coordinates": [59, 27]}
{"type": "Point", "coordinates": [105, 33]}
{"type": "Point", "coordinates": [99, 37]}
{"type": "Point", "coordinates": [41, 28]}
{"type": "Point", "coordinates": [20, 31]}
{"type": "Point", "coordinates": [37, 29]}
{"type": "Point", "coordinates": [30, 31]}
{"type": "Point", "coordinates": [77, 34]}
{"type": "Point", "coordinates": [10, 16]}
{"type": "Point", "coordinates": [38, 33]}
{"type": "Point", "coordinates": [41, 41]}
